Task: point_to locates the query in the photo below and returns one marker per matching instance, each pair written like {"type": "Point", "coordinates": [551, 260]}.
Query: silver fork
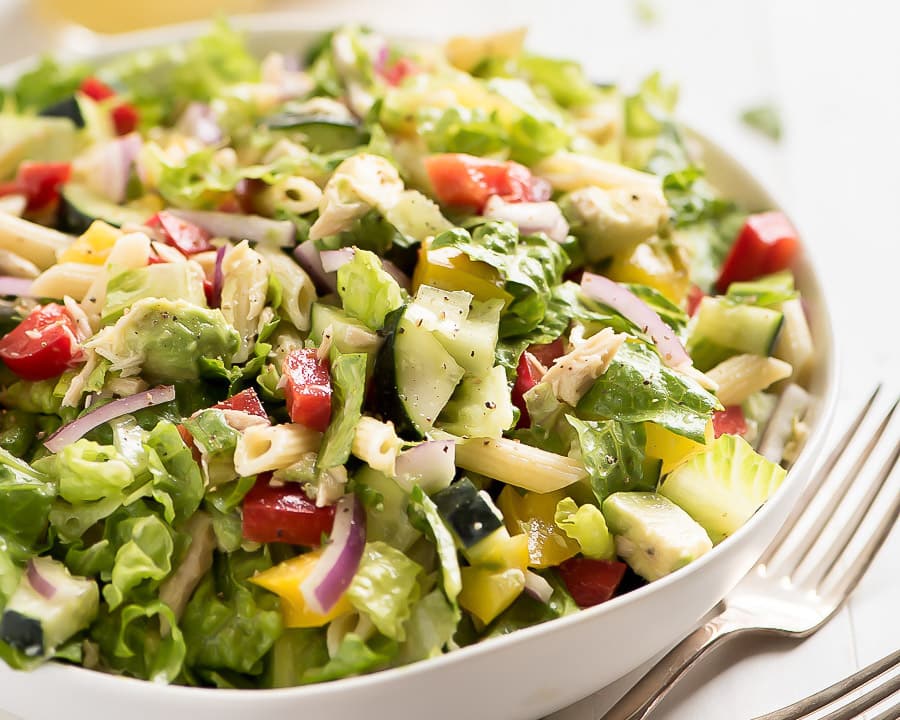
{"type": "Point", "coordinates": [814, 563]}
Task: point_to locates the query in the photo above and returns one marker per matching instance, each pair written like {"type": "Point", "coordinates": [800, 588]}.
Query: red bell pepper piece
{"type": "Point", "coordinates": [245, 401]}
{"type": "Point", "coordinates": [284, 514]}
{"type": "Point", "coordinates": [591, 582]}
{"type": "Point", "coordinates": [730, 421]}
{"type": "Point", "coordinates": [400, 70]}
{"type": "Point", "coordinates": [527, 376]}
{"type": "Point", "coordinates": [43, 345]}
{"type": "Point", "coordinates": [125, 116]}
{"type": "Point", "coordinates": [187, 238]}
{"type": "Point", "coordinates": [694, 296]}
{"type": "Point", "coordinates": [39, 182]}
{"type": "Point", "coordinates": [467, 181]}
{"type": "Point", "coordinates": [767, 243]}
{"type": "Point", "coordinates": [548, 352]}
{"type": "Point", "coordinates": [308, 388]}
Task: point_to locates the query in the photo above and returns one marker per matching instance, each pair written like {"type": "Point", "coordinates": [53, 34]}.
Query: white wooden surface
{"type": "Point", "coordinates": [833, 69]}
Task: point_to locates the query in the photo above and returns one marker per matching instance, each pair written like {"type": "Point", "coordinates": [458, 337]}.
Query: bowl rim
{"type": "Point", "coordinates": [87, 45]}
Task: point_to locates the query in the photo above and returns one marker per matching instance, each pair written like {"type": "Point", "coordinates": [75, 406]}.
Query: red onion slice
{"type": "Point", "coordinates": [309, 258]}
{"type": "Point", "coordinates": [537, 587]}
{"type": "Point", "coordinates": [621, 299]}
{"type": "Point", "coordinates": [334, 259]}
{"type": "Point", "coordinates": [218, 276]}
{"type": "Point", "coordinates": [20, 287]}
{"type": "Point", "coordinates": [431, 465]}
{"type": "Point", "coordinates": [41, 585]}
{"type": "Point", "coordinates": [334, 571]}
{"type": "Point", "coordinates": [199, 121]}
{"type": "Point", "coordinates": [530, 217]}
{"type": "Point", "coordinates": [265, 231]}
{"type": "Point", "coordinates": [77, 429]}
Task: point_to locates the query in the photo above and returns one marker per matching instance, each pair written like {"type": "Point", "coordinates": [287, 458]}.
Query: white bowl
{"type": "Point", "coordinates": [527, 674]}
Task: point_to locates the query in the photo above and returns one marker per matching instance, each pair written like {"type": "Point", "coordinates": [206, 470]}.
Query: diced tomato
{"type": "Point", "coordinates": [527, 376]}
{"type": "Point", "coordinates": [767, 243]}
{"type": "Point", "coordinates": [548, 352]}
{"type": "Point", "coordinates": [400, 70]}
{"type": "Point", "coordinates": [245, 401]}
{"type": "Point", "coordinates": [284, 514]}
{"type": "Point", "coordinates": [124, 116]}
{"type": "Point", "coordinates": [189, 441]}
{"type": "Point", "coordinates": [96, 89]}
{"type": "Point", "coordinates": [591, 582]}
{"type": "Point", "coordinates": [467, 181]}
{"type": "Point", "coordinates": [43, 345]}
{"type": "Point", "coordinates": [38, 182]}
{"type": "Point", "coordinates": [187, 238]}
{"type": "Point", "coordinates": [730, 421]}
{"type": "Point", "coordinates": [308, 388]}
{"type": "Point", "coordinates": [694, 296]}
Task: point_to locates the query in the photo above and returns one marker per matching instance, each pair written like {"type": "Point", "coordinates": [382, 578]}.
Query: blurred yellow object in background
{"type": "Point", "coordinates": [114, 16]}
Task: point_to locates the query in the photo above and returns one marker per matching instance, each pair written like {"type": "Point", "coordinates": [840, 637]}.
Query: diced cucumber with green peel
{"type": "Point", "coordinates": [653, 535]}
{"type": "Point", "coordinates": [723, 486]}
{"type": "Point", "coordinates": [480, 406]}
{"type": "Point", "coordinates": [466, 328]}
{"type": "Point", "coordinates": [724, 328]}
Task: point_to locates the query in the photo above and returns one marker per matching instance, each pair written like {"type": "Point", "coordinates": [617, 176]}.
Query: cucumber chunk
{"type": "Point", "coordinates": [80, 206]}
{"type": "Point", "coordinates": [653, 535]}
{"type": "Point", "coordinates": [415, 375]}
{"type": "Point", "coordinates": [723, 486]}
{"type": "Point", "coordinates": [35, 623]}
{"type": "Point", "coordinates": [724, 328]}
{"type": "Point", "coordinates": [471, 515]}
{"type": "Point", "coordinates": [480, 407]}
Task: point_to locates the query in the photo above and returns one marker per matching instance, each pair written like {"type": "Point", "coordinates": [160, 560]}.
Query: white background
{"type": "Point", "coordinates": [833, 69]}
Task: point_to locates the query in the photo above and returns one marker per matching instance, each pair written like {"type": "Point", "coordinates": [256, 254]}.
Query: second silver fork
{"type": "Point", "coordinates": [815, 562]}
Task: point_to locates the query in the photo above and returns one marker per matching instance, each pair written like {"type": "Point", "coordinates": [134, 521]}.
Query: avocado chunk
{"type": "Point", "coordinates": [166, 340]}
{"type": "Point", "coordinates": [723, 486]}
{"type": "Point", "coordinates": [653, 535]}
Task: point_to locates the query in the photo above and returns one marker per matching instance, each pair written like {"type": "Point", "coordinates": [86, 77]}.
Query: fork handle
{"type": "Point", "coordinates": [654, 686]}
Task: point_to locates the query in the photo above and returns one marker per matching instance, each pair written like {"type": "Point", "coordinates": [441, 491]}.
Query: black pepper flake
{"type": "Point", "coordinates": [490, 405]}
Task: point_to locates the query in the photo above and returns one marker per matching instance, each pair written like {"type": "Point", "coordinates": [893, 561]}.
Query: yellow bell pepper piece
{"type": "Point", "coordinates": [672, 449]}
{"type": "Point", "coordinates": [486, 593]}
{"type": "Point", "coordinates": [534, 515]}
{"type": "Point", "coordinates": [94, 246]}
{"type": "Point", "coordinates": [285, 579]}
{"type": "Point", "coordinates": [449, 269]}
{"type": "Point", "coordinates": [499, 550]}
{"type": "Point", "coordinates": [649, 264]}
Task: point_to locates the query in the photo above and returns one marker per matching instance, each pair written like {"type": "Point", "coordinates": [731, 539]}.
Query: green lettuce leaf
{"type": "Point", "coordinates": [49, 83]}
{"type": "Point", "coordinates": [348, 380]}
{"type": "Point", "coordinates": [613, 454]}
{"type": "Point", "coordinates": [145, 548]}
{"type": "Point", "coordinates": [367, 291]}
{"type": "Point", "coordinates": [216, 440]}
{"type": "Point", "coordinates": [33, 397]}
{"type": "Point", "coordinates": [131, 641]}
{"type": "Point", "coordinates": [637, 387]}
{"type": "Point", "coordinates": [17, 432]}
{"type": "Point", "coordinates": [88, 471]}
{"type": "Point", "coordinates": [646, 111]}
{"type": "Point", "coordinates": [530, 267]}
{"type": "Point", "coordinates": [26, 496]}
{"type": "Point", "coordinates": [9, 573]}
{"type": "Point", "coordinates": [587, 526]}
{"type": "Point", "coordinates": [671, 314]}
{"type": "Point", "coordinates": [425, 518]}
{"type": "Point", "coordinates": [177, 483]}
{"type": "Point", "coordinates": [565, 80]}
{"type": "Point", "coordinates": [384, 588]}
{"type": "Point", "coordinates": [295, 652]}
{"type": "Point", "coordinates": [430, 628]}
{"type": "Point", "coordinates": [353, 657]}
{"type": "Point", "coordinates": [229, 624]}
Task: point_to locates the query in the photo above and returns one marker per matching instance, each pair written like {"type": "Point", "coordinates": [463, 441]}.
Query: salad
{"type": "Point", "coordinates": [314, 366]}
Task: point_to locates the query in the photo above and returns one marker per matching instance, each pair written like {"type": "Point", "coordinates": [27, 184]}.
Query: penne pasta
{"type": "Point", "coordinates": [262, 448]}
{"type": "Point", "coordinates": [244, 292]}
{"type": "Point", "coordinates": [518, 464]}
{"type": "Point", "coordinates": [71, 278]}
{"type": "Point", "coordinates": [740, 376]}
{"type": "Point", "coordinates": [377, 444]}
{"type": "Point", "coordinates": [293, 194]}
{"type": "Point", "coordinates": [795, 344]}
{"type": "Point", "coordinates": [298, 292]}
{"type": "Point", "coordinates": [34, 242]}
